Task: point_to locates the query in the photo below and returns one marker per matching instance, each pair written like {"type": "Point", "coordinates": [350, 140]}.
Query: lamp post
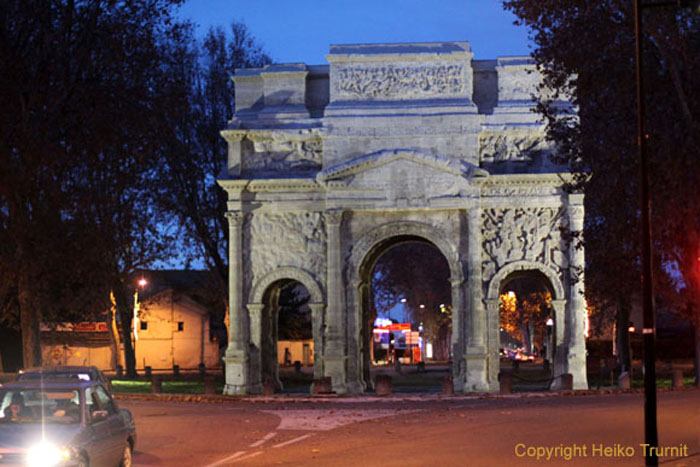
{"type": "Point", "coordinates": [649, 326]}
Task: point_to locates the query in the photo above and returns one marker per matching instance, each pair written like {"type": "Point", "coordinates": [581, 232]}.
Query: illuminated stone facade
{"type": "Point", "coordinates": [327, 165]}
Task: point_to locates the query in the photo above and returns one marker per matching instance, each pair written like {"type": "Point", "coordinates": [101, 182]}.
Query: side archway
{"type": "Point", "coordinates": [297, 274]}
{"type": "Point", "coordinates": [508, 269]}
{"type": "Point", "coordinates": [262, 310]}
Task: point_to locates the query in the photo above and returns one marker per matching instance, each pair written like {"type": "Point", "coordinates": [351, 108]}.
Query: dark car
{"type": "Point", "coordinates": [84, 373]}
{"type": "Point", "coordinates": [63, 423]}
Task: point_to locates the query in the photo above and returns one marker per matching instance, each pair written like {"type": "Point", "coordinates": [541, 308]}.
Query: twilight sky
{"type": "Point", "coordinates": [302, 30]}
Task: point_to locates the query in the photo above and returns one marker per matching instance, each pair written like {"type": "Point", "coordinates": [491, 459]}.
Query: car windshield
{"type": "Point", "coordinates": [40, 406]}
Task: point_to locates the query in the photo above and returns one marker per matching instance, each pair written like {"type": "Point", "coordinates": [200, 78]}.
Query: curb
{"type": "Point", "coordinates": [221, 398]}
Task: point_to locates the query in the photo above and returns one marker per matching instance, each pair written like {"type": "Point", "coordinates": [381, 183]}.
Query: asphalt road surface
{"type": "Point", "coordinates": [417, 431]}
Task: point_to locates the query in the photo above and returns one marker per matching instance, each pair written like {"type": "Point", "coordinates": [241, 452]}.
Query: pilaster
{"type": "Point", "coordinates": [334, 357]}
{"type": "Point", "coordinates": [478, 354]}
{"type": "Point", "coordinates": [234, 140]}
{"type": "Point", "coordinates": [576, 309]}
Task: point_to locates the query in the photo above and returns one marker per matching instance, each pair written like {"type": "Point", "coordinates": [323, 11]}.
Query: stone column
{"type": "Point", "coordinates": [576, 306]}
{"type": "Point", "coordinates": [494, 343]}
{"type": "Point", "coordinates": [459, 365]}
{"type": "Point", "coordinates": [236, 357]}
{"type": "Point", "coordinates": [478, 354]}
{"type": "Point", "coordinates": [255, 311]}
{"type": "Point", "coordinates": [234, 140]}
{"type": "Point", "coordinates": [560, 349]}
{"type": "Point", "coordinates": [317, 310]}
{"type": "Point", "coordinates": [334, 358]}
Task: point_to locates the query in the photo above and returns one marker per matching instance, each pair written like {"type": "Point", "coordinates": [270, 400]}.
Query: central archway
{"type": "Point", "coordinates": [363, 259]}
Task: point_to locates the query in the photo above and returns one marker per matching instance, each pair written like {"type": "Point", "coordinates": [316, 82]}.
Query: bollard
{"type": "Point", "coordinates": [421, 367]}
{"type": "Point", "coordinates": [202, 369]}
{"type": "Point", "coordinates": [268, 387]}
{"type": "Point", "coordinates": [120, 372]}
{"type": "Point", "coordinates": [448, 387]}
{"type": "Point", "coordinates": [623, 381]}
{"type": "Point", "coordinates": [322, 385]}
{"type": "Point", "coordinates": [505, 378]}
{"type": "Point", "coordinates": [156, 384]}
{"type": "Point", "coordinates": [567, 382]}
{"type": "Point", "coordinates": [676, 378]}
{"type": "Point", "coordinates": [297, 367]}
{"type": "Point", "coordinates": [209, 384]}
{"type": "Point", "coordinates": [382, 384]}
{"type": "Point", "coordinates": [176, 370]}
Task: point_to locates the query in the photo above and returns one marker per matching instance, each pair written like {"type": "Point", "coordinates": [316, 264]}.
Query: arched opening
{"type": "Point", "coordinates": [406, 313]}
{"type": "Point", "coordinates": [286, 343]}
{"type": "Point", "coordinates": [527, 327]}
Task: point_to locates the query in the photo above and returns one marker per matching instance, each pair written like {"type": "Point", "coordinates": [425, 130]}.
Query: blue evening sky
{"type": "Point", "coordinates": [302, 30]}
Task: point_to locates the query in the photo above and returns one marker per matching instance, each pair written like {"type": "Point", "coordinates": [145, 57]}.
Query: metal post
{"type": "Point", "coordinates": [650, 428]}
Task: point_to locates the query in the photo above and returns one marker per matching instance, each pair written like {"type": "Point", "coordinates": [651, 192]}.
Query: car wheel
{"type": "Point", "coordinates": [126, 456]}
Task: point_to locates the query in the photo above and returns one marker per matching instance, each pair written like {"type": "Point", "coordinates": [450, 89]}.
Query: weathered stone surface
{"type": "Point", "coordinates": [331, 165]}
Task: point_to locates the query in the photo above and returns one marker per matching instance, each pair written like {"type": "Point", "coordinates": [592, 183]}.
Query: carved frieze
{"type": "Point", "coordinates": [287, 239]}
{"type": "Point", "coordinates": [523, 234]}
{"type": "Point", "coordinates": [399, 81]}
{"type": "Point", "coordinates": [511, 147]}
{"type": "Point", "coordinates": [279, 151]}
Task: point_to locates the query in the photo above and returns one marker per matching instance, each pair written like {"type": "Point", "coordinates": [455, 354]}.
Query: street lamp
{"type": "Point", "coordinates": [142, 283]}
{"type": "Point", "coordinates": [649, 326]}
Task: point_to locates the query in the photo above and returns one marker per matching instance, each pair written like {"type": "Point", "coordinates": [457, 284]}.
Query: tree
{"type": "Point", "coordinates": [585, 50]}
{"type": "Point", "coordinates": [80, 132]}
{"type": "Point", "coordinates": [196, 153]}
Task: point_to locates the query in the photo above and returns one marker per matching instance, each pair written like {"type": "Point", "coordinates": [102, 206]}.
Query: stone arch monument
{"type": "Point", "coordinates": [390, 142]}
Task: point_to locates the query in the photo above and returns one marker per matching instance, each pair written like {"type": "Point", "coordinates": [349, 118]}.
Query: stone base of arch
{"type": "Point", "coordinates": [238, 374]}
{"type": "Point", "coordinates": [477, 363]}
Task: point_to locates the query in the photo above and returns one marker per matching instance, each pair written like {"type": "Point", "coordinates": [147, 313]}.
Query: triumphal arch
{"type": "Point", "coordinates": [328, 166]}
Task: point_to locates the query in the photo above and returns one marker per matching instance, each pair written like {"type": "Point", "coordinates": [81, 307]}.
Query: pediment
{"type": "Point", "coordinates": [374, 161]}
{"type": "Point", "coordinates": [403, 176]}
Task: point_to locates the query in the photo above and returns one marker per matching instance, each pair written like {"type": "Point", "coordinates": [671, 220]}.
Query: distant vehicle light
{"type": "Point", "coordinates": [83, 377]}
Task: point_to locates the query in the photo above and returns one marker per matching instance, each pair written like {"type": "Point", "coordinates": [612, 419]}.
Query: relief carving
{"type": "Point", "coordinates": [288, 239]}
{"type": "Point", "coordinates": [399, 81]}
{"type": "Point", "coordinates": [517, 234]}
{"type": "Point", "coordinates": [283, 152]}
{"type": "Point", "coordinates": [503, 147]}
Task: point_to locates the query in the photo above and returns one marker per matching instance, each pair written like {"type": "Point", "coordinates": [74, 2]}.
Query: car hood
{"type": "Point", "coordinates": [23, 435]}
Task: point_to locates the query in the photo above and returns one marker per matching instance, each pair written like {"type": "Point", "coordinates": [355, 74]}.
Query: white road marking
{"type": "Point", "coordinates": [249, 456]}
{"type": "Point", "coordinates": [326, 419]}
{"type": "Point", "coordinates": [228, 459]}
{"type": "Point", "coordinates": [280, 445]}
{"type": "Point", "coordinates": [260, 442]}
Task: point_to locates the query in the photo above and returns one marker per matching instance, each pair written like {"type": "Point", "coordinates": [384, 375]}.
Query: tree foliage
{"type": "Point", "coordinates": [80, 133]}
{"type": "Point", "coordinates": [195, 156]}
{"type": "Point", "coordinates": [586, 51]}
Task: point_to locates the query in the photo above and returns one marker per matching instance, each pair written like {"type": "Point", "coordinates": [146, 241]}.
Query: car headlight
{"type": "Point", "coordinates": [46, 454]}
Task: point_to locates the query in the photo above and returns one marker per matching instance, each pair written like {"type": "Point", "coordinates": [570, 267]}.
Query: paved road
{"type": "Point", "coordinates": [588, 430]}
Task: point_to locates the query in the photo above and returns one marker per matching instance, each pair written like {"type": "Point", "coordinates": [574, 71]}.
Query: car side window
{"type": "Point", "coordinates": [105, 401]}
{"type": "Point", "coordinates": [91, 400]}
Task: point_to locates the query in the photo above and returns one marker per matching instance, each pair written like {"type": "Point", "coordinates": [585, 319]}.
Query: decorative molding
{"type": "Point", "coordinates": [235, 218]}
{"type": "Point", "coordinates": [333, 217]}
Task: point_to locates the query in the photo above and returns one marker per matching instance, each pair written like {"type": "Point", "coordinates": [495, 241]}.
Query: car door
{"type": "Point", "coordinates": [117, 432]}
